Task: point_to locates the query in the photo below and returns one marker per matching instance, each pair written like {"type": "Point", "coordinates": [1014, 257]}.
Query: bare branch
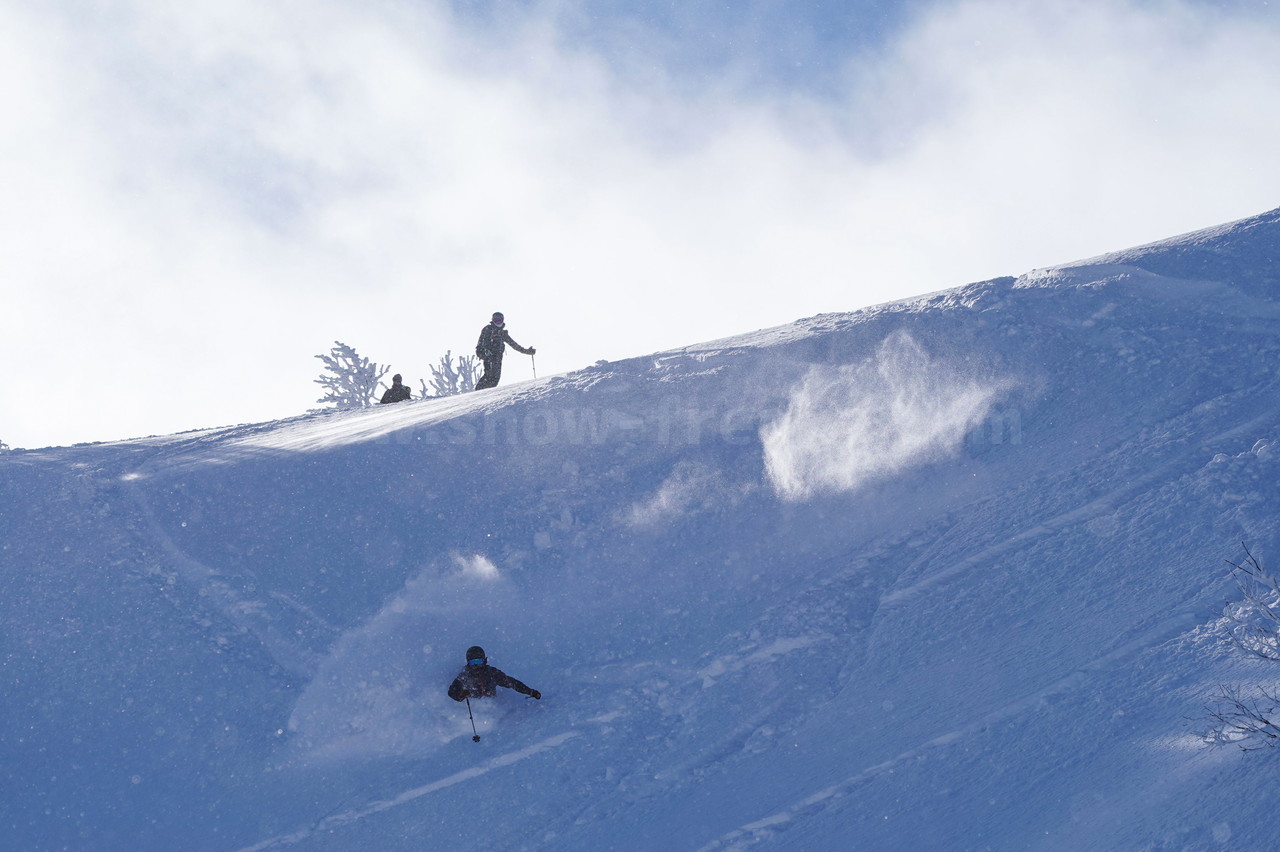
{"type": "Point", "coordinates": [1250, 725]}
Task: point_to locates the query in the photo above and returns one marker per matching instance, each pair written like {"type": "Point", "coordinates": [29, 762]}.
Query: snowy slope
{"type": "Point", "coordinates": [939, 574]}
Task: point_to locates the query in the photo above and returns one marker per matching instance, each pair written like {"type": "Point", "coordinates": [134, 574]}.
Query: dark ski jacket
{"type": "Point", "coordinates": [483, 682]}
{"type": "Point", "coordinates": [493, 341]}
{"type": "Point", "coordinates": [395, 393]}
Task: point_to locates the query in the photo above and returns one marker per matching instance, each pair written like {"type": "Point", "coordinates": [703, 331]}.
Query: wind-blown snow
{"type": "Point", "coordinates": [941, 574]}
{"type": "Point", "coordinates": [849, 425]}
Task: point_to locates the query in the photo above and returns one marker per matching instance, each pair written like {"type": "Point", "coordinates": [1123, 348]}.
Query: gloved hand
{"type": "Point", "coordinates": [533, 351]}
{"type": "Point", "coordinates": [536, 694]}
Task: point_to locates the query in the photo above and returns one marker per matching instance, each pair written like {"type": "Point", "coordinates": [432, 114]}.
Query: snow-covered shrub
{"type": "Point", "coordinates": [452, 376]}
{"type": "Point", "coordinates": [1253, 623]}
{"type": "Point", "coordinates": [352, 381]}
{"type": "Point", "coordinates": [1254, 620]}
{"type": "Point", "coordinates": [4, 448]}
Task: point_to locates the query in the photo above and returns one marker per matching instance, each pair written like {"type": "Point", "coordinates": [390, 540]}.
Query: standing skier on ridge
{"type": "Point", "coordinates": [494, 338]}
{"type": "Point", "coordinates": [396, 393]}
{"type": "Point", "coordinates": [481, 680]}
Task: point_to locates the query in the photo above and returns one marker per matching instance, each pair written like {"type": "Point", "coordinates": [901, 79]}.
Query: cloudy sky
{"type": "Point", "coordinates": [198, 198]}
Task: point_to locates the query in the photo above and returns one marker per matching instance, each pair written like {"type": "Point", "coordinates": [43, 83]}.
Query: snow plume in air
{"type": "Point", "coordinates": [849, 425]}
{"type": "Point", "coordinates": [477, 567]}
{"type": "Point", "coordinates": [691, 487]}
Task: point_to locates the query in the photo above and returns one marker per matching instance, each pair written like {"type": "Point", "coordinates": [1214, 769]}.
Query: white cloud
{"type": "Point", "coordinates": [200, 197]}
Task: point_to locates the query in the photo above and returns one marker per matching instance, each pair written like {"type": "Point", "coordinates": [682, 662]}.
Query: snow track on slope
{"type": "Point", "coordinates": [768, 827]}
{"type": "Point", "coordinates": [407, 796]}
{"type": "Point", "coordinates": [1094, 508]}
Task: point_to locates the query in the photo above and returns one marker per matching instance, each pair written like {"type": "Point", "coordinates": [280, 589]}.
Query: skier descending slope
{"type": "Point", "coordinates": [481, 680]}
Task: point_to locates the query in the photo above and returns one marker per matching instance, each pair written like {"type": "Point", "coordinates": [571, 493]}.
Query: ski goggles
{"type": "Point", "coordinates": [475, 662]}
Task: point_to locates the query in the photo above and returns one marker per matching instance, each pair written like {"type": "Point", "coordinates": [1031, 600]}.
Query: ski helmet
{"type": "Point", "coordinates": [475, 652]}
{"type": "Point", "coordinates": [498, 317]}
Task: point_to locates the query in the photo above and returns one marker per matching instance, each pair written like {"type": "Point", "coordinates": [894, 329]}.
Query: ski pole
{"type": "Point", "coordinates": [475, 738]}
{"type": "Point", "coordinates": [534, 362]}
